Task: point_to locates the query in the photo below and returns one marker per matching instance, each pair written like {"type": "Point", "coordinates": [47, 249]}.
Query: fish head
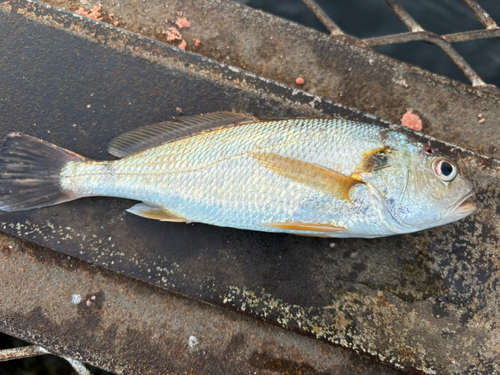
{"type": "Point", "coordinates": [415, 188]}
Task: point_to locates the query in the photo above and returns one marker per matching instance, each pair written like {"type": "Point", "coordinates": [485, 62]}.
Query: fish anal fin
{"type": "Point", "coordinates": [155, 135]}
{"type": "Point", "coordinates": [309, 174]}
{"type": "Point", "coordinates": [154, 212]}
{"type": "Point", "coordinates": [310, 227]}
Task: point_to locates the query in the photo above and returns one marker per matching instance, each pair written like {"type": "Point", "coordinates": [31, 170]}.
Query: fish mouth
{"type": "Point", "coordinates": [461, 208]}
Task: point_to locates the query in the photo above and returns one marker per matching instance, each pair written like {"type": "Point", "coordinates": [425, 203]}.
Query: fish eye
{"type": "Point", "coordinates": [444, 169]}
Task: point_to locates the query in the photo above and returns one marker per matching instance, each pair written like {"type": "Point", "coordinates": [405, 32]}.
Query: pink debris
{"type": "Point", "coordinates": [88, 303]}
{"type": "Point", "coordinates": [95, 13]}
{"type": "Point", "coordinates": [173, 34]}
{"type": "Point", "coordinates": [182, 22]}
{"type": "Point", "coordinates": [482, 120]}
{"type": "Point", "coordinates": [183, 44]}
{"type": "Point", "coordinates": [197, 43]}
{"type": "Point", "coordinates": [411, 120]}
{"type": "Point", "coordinates": [300, 81]}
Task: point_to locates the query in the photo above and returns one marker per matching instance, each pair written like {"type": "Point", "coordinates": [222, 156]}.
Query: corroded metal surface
{"type": "Point", "coordinates": [21, 352]}
{"type": "Point", "coordinates": [427, 302]}
{"type": "Point", "coordinates": [331, 67]}
{"type": "Point", "coordinates": [126, 326]}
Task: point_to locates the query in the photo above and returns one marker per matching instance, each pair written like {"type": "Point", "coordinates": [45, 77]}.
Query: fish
{"type": "Point", "coordinates": [320, 177]}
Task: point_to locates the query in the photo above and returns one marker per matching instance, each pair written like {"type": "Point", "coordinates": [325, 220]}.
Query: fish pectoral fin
{"type": "Point", "coordinates": [154, 135]}
{"type": "Point", "coordinates": [150, 211]}
{"type": "Point", "coordinates": [310, 227]}
{"type": "Point", "coordinates": [313, 175]}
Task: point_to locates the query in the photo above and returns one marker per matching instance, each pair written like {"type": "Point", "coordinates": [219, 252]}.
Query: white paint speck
{"type": "Point", "coordinates": [76, 299]}
{"type": "Point", "coordinates": [370, 60]}
{"type": "Point", "coordinates": [193, 341]}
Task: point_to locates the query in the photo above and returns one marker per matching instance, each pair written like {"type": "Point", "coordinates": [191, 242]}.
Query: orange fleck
{"type": "Point", "coordinates": [183, 44]}
{"type": "Point", "coordinates": [300, 81]}
{"type": "Point", "coordinates": [482, 120]}
{"type": "Point", "coordinates": [116, 23]}
{"type": "Point", "coordinates": [94, 13]}
{"type": "Point", "coordinates": [381, 299]}
{"type": "Point", "coordinates": [182, 22]}
{"type": "Point", "coordinates": [411, 120]}
{"type": "Point", "coordinates": [197, 43]}
{"type": "Point", "coordinates": [172, 34]}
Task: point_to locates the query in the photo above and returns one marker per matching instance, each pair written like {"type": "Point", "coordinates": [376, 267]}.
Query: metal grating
{"type": "Point", "coordinates": [30, 351]}
{"type": "Point", "coordinates": [418, 33]}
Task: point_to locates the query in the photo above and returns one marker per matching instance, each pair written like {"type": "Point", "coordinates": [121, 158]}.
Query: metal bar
{"type": "Point", "coordinates": [435, 39]}
{"type": "Point", "coordinates": [323, 17]}
{"type": "Point", "coordinates": [467, 36]}
{"type": "Point", "coordinates": [417, 33]}
{"type": "Point", "coordinates": [78, 366]}
{"type": "Point", "coordinates": [134, 328]}
{"type": "Point", "coordinates": [22, 352]}
{"type": "Point", "coordinates": [404, 16]}
{"type": "Point", "coordinates": [481, 14]}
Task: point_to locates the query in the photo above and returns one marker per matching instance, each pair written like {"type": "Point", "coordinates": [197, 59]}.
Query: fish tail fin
{"type": "Point", "coordinates": [30, 173]}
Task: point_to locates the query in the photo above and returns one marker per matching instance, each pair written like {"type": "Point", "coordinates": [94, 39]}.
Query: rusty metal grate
{"type": "Point", "coordinates": [30, 351]}
{"type": "Point", "coordinates": [418, 33]}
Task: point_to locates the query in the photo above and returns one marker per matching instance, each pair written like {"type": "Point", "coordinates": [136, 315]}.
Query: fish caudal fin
{"type": "Point", "coordinates": [30, 170]}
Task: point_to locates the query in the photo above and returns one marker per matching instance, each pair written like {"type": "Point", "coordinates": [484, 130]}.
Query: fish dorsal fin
{"type": "Point", "coordinates": [150, 136]}
{"type": "Point", "coordinates": [313, 175]}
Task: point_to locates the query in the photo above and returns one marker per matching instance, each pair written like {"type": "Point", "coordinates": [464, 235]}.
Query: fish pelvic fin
{"type": "Point", "coordinates": [152, 211]}
{"type": "Point", "coordinates": [30, 173]}
{"type": "Point", "coordinates": [313, 175]}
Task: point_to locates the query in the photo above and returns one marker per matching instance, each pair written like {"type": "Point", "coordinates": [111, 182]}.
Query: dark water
{"type": "Point", "coordinates": [370, 18]}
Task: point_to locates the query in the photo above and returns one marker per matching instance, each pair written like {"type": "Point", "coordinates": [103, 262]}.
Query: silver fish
{"type": "Point", "coordinates": [315, 177]}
